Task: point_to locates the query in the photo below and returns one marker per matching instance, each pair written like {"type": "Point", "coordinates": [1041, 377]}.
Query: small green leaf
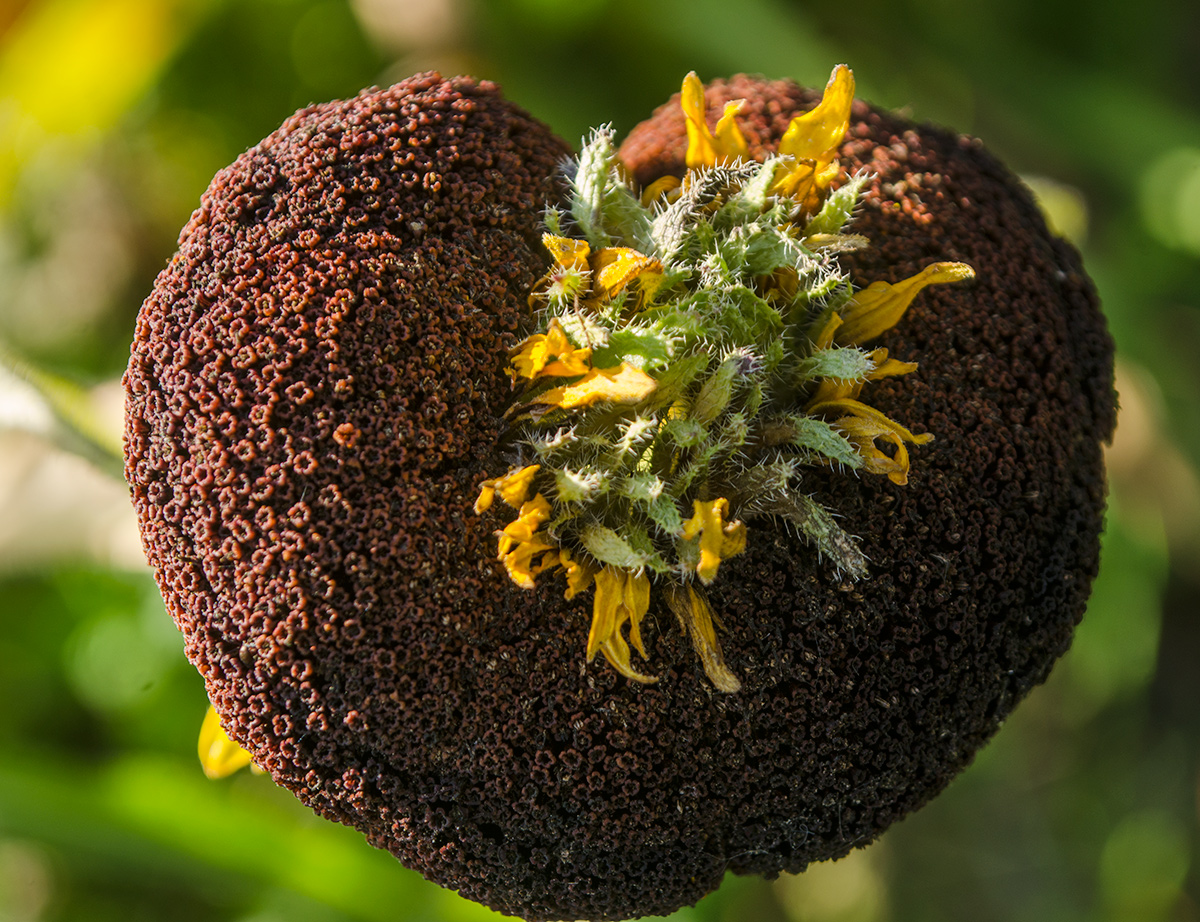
{"type": "Point", "coordinates": [674, 382]}
{"type": "Point", "coordinates": [838, 207]}
{"type": "Point", "coordinates": [841, 364]}
{"type": "Point", "coordinates": [642, 347]}
{"type": "Point", "coordinates": [665, 514]}
{"type": "Point", "coordinates": [609, 547]}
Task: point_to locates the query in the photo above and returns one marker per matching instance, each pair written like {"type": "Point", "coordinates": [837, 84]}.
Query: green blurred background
{"type": "Point", "coordinates": [114, 114]}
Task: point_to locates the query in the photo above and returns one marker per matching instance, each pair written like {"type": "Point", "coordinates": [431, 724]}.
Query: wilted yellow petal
{"type": "Point", "coordinates": [520, 561]}
{"type": "Point", "coordinates": [831, 389]}
{"type": "Point", "coordinates": [219, 755]}
{"type": "Point", "coordinates": [615, 267]}
{"type": "Point", "coordinates": [487, 494]}
{"type": "Point", "coordinates": [519, 542]}
{"type": "Point", "coordinates": [825, 335]}
{"type": "Point", "coordinates": [513, 487]}
{"type": "Point", "coordinates": [568, 253]}
{"type": "Point", "coordinates": [696, 618]}
{"type": "Point", "coordinates": [879, 307]}
{"type": "Point", "coordinates": [863, 411]}
{"type": "Point", "coordinates": [862, 425]}
{"type": "Point", "coordinates": [862, 434]}
{"type": "Point", "coordinates": [621, 384]}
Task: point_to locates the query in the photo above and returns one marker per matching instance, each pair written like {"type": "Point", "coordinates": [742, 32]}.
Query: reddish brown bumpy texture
{"type": "Point", "coordinates": [315, 393]}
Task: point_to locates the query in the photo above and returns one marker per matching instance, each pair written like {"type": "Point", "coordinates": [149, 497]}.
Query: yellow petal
{"type": "Point", "coordinates": [568, 253]}
{"type": "Point", "coordinates": [605, 608]}
{"type": "Point", "coordinates": [879, 306]}
{"type": "Point", "coordinates": [621, 595]}
{"type": "Point", "coordinates": [862, 433]}
{"type": "Point", "coordinates": [520, 562]}
{"type": "Point", "coordinates": [661, 187]}
{"type": "Point", "coordinates": [513, 487]}
{"type": "Point", "coordinates": [549, 354]}
{"type": "Point", "coordinates": [729, 141]}
{"type": "Point", "coordinates": [795, 179]}
{"type": "Point", "coordinates": [705, 148]}
{"type": "Point", "coordinates": [615, 267]}
{"type": "Point", "coordinates": [862, 411]}
{"type": "Point", "coordinates": [733, 540]}
{"type": "Point", "coordinates": [621, 384]}
{"type": "Point", "coordinates": [580, 573]}
{"type": "Point", "coordinates": [816, 135]}
{"type": "Point", "coordinates": [487, 494]}
{"type": "Point", "coordinates": [637, 603]}
{"type": "Point", "coordinates": [718, 538]}
{"type": "Point", "coordinates": [700, 150]}
{"type": "Point", "coordinates": [219, 755]}
{"type": "Point", "coordinates": [521, 529]}
{"type": "Point", "coordinates": [825, 336]}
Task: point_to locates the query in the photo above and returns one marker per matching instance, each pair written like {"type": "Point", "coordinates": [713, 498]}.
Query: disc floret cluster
{"type": "Point", "coordinates": [698, 349]}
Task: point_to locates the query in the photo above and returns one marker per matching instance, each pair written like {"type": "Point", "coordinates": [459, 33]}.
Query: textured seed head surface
{"type": "Point", "coordinates": [315, 393]}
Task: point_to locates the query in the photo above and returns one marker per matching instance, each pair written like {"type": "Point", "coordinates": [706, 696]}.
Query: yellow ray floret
{"type": "Point", "coordinates": [621, 595]}
{"type": "Point", "coordinates": [524, 552]}
{"type": "Point", "coordinates": [719, 538]}
{"type": "Point", "coordinates": [813, 139]}
{"type": "Point", "coordinates": [219, 755]}
{"type": "Point", "coordinates": [879, 306]}
{"type": "Point", "coordinates": [513, 488]}
{"type": "Point", "coordinates": [621, 384]}
{"type": "Point", "coordinates": [549, 354]}
{"type": "Point", "coordinates": [705, 148]}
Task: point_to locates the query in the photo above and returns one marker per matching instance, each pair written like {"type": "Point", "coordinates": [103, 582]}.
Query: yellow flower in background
{"type": "Point", "coordinates": [219, 755]}
{"type": "Point", "coordinates": [621, 596]}
{"type": "Point", "coordinates": [705, 148]}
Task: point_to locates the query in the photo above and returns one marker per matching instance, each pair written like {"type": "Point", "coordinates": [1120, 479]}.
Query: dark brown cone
{"type": "Point", "coordinates": [314, 396]}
